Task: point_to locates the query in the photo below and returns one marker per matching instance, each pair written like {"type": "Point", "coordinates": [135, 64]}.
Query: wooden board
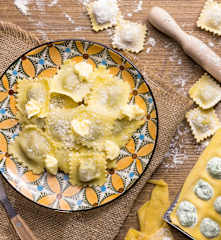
{"type": "Point", "coordinates": [68, 19]}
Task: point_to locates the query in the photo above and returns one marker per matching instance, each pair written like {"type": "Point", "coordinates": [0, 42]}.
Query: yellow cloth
{"type": "Point", "coordinates": [151, 214]}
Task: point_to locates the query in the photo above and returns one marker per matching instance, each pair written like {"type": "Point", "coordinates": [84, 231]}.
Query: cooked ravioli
{"type": "Point", "coordinates": [132, 111]}
{"type": "Point", "coordinates": [108, 94]}
{"type": "Point", "coordinates": [51, 164]}
{"type": "Point", "coordinates": [87, 168]}
{"type": "Point", "coordinates": [123, 129]}
{"type": "Point", "coordinates": [71, 80]}
{"type": "Point", "coordinates": [205, 92]}
{"type": "Point", "coordinates": [75, 122]}
{"type": "Point", "coordinates": [90, 129]}
{"type": "Point", "coordinates": [59, 128]}
{"type": "Point", "coordinates": [32, 98]}
{"type": "Point", "coordinates": [64, 157]}
{"type": "Point", "coordinates": [61, 101]}
{"type": "Point", "coordinates": [30, 148]}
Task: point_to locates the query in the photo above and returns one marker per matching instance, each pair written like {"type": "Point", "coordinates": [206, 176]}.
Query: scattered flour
{"type": "Point", "coordinates": [40, 5]}
{"type": "Point", "coordinates": [179, 61]}
{"type": "Point", "coordinates": [68, 18]}
{"type": "Point", "coordinates": [43, 34]}
{"type": "Point", "coordinates": [40, 29]}
{"type": "Point", "coordinates": [80, 28]}
{"type": "Point", "coordinates": [176, 151]}
{"type": "Point", "coordinates": [84, 2]}
{"type": "Point", "coordinates": [180, 82]}
{"type": "Point", "coordinates": [22, 6]}
{"type": "Point", "coordinates": [110, 31]}
{"type": "Point", "coordinates": [174, 52]}
{"type": "Point", "coordinates": [211, 44]}
{"type": "Point", "coordinates": [151, 41]}
{"type": "Point", "coordinates": [53, 3]}
{"type": "Point", "coordinates": [40, 24]}
{"type": "Point", "coordinates": [177, 154]}
{"type": "Point", "coordinates": [148, 50]}
{"type": "Point", "coordinates": [139, 6]}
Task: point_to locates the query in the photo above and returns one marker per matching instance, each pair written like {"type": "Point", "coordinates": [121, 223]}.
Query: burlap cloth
{"type": "Point", "coordinates": [104, 222]}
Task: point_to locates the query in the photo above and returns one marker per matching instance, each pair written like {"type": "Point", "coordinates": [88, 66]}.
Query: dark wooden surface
{"type": "Point", "coordinates": [51, 22]}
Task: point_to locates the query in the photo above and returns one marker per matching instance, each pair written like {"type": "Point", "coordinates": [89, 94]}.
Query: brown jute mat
{"type": "Point", "coordinates": [105, 222]}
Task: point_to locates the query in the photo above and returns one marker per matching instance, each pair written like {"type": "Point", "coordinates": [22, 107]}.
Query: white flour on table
{"type": "Point", "coordinates": [68, 18]}
{"type": "Point", "coordinates": [176, 150]}
{"type": "Point", "coordinates": [211, 44]}
{"type": "Point", "coordinates": [84, 2]}
{"type": "Point", "coordinates": [53, 3]}
{"type": "Point", "coordinates": [139, 6]}
{"type": "Point", "coordinates": [151, 42]}
{"type": "Point", "coordinates": [22, 6]}
{"type": "Point", "coordinates": [80, 28]}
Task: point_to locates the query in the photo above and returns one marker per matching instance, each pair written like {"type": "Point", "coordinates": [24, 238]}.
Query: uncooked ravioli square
{"type": "Point", "coordinates": [103, 14]}
{"type": "Point", "coordinates": [210, 17]}
{"type": "Point", "coordinates": [129, 36]}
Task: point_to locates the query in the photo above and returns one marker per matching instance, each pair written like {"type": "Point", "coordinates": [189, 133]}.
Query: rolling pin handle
{"type": "Point", "coordinates": [160, 19]}
{"type": "Point", "coordinates": [191, 45]}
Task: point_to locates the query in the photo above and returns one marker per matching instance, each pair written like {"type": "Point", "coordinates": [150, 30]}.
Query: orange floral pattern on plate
{"type": "Point", "coordinates": [55, 191]}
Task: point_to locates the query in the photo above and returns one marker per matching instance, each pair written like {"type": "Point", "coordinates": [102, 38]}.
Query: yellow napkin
{"type": "Point", "coordinates": [151, 214]}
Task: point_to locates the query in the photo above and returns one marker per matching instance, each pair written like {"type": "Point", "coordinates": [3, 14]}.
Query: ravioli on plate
{"type": "Point", "coordinates": [75, 122]}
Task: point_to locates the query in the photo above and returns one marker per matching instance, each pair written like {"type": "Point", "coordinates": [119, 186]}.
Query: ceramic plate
{"type": "Point", "coordinates": [55, 192]}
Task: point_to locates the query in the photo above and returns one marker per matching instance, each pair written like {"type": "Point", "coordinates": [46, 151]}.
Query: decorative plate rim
{"type": "Point", "coordinates": [157, 126]}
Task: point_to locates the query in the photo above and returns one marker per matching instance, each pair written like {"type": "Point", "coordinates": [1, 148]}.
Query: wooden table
{"type": "Point", "coordinates": [51, 20]}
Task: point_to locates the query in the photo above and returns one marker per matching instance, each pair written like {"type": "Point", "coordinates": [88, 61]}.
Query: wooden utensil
{"type": "Point", "coordinates": [191, 45]}
{"type": "Point", "coordinates": [18, 223]}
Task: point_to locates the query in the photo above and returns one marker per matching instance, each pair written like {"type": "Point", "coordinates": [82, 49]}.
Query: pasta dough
{"type": "Point", "coordinates": [203, 123]}
{"type": "Point", "coordinates": [217, 205]}
{"type": "Point", "coordinates": [202, 221]}
{"type": "Point", "coordinates": [151, 216]}
{"type": "Point", "coordinates": [210, 17]}
{"type": "Point", "coordinates": [205, 92]}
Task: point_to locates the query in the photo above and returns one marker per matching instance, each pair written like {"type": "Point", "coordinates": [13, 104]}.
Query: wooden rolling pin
{"type": "Point", "coordinates": [191, 45]}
